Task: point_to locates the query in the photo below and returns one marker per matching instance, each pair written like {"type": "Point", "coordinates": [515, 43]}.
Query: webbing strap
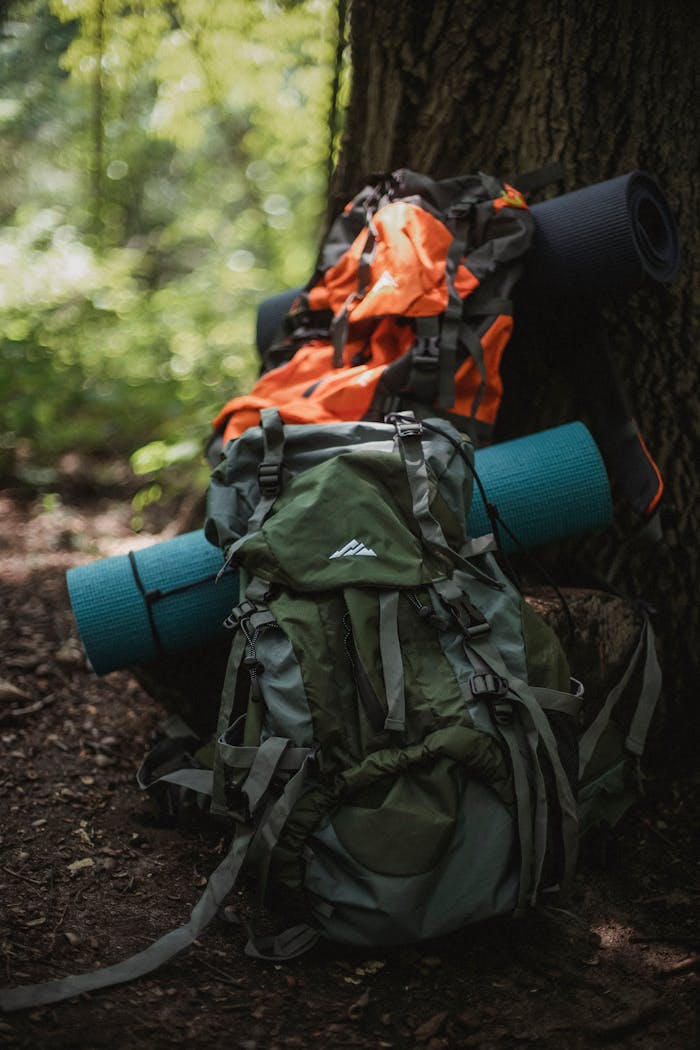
{"type": "Point", "coordinates": [417, 473]}
{"type": "Point", "coordinates": [541, 814]}
{"type": "Point", "coordinates": [528, 841]}
{"type": "Point", "coordinates": [269, 471]}
{"type": "Point", "coordinates": [228, 696]}
{"type": "Point", "coordinates": [531, 181]}
{"type": "Point", "coordinates": [240, 757]}
{"type": "Point", "coordinates": [451, 321]}
{"type": "Point", "coordinates": [200, 780]}
{"type": "Point", "coordinates": [524, 814]}
{"type": "Point", "coordinates": [479, 545]}
{"type": "Point", "coordinates": [287, 945]}
{"type": "Point", "coordinates": [263, 769]}
{"type": "Point", "coordinates": [567, 802]}
{"type": "Point", "coordinates": [220, 884]}
{"type": "Point", "coordinates": [270, 828]}
{"type": "Point", "coordinates": [649, 695]}
{"type": "Point", "coordinates": [477, 306]}
{"type": "Point", "coordinates": [520, 692]}
{"type": "Point", "coordinates": [555, 700]}
{"type": "Point", "coordinates": [392, 662]}
{"type": "Point", "coordinates": [651, 691]}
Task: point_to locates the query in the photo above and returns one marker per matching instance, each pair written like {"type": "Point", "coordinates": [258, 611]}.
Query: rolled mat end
{"type": "Point", "coordinates": [604, 238]}
{"type": "Point", "coordinates": [131, 609]}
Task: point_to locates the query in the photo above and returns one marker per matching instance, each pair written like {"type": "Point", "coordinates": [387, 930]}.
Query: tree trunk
{"type": "Point", "coordinates": [462, 85]}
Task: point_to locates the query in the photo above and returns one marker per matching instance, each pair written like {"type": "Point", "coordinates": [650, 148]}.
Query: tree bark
{"type": "Point", "coordinates": [463, 85]}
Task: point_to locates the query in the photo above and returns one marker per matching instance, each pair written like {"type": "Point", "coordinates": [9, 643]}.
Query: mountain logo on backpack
{"type": "Point", "coordinates": [384, 283]}
{"type": "Point", "coordinates": [351, 549]}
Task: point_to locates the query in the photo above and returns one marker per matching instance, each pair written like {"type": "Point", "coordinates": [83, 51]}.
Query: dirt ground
{"type": "Point", "coordinates": [88, 876]}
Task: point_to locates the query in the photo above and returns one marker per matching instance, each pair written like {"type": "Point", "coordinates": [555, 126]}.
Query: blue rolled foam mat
{"type": "Point", "coordinates": [186, 606]}
{"type": "Point", "coordinates": [546, 486]}
{"type": "Point", "coordinates": [603, 238]}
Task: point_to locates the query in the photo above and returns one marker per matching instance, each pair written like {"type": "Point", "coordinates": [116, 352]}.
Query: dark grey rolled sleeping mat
{"type": "Point", "coordinates": [599, 242]}
{"type": "Point", "coordinates": [603, 239]}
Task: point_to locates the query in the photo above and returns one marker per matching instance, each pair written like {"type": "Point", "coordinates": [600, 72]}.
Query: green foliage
{"type": "Point", "coordinates": [163, 171]}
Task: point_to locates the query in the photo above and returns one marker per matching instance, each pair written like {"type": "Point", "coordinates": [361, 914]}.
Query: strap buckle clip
{"type": "Point", "coordinates": [269, 479]}
{"type": "Point", "coordinates": [406, 424]}
{"type": "Point", "coordinates": [493, 687]}
{"type": "Point", "coordinates": [425, 353]}
{"type": "Point", "coordinates": [239, 613]}
{"type": "Point", "coordinates": [487, 685]}
{"type": "Point", "coordinates": [470, 620]}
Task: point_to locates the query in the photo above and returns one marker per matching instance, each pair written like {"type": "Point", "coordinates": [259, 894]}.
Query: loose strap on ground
{"type": "Point", "coordinates": [218, 887]}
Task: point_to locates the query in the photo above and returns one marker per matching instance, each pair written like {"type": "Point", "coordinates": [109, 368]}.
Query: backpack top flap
{"type": "Point", "coordinates": [237, 484]}
{"type": "Point", "coordinates": [376, 541]}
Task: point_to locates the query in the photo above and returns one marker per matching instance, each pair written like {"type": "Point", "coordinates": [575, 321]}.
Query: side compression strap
{"type": "Point", "coordinates": [650, 692]}
{"type": "Point", "coordinates": [409, 430]}
{"type": "Point", "coordinates": [219, 886]}
{"type": "Point", "coordinates": [392, 661]}
{"type": "Point", "coordinates": [520, 692]}
{"type": "Point", "coordinates": [270, 470]}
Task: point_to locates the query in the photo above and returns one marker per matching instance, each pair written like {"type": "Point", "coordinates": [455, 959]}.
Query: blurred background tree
{"type": "Point", "coordinates": [163, 170]}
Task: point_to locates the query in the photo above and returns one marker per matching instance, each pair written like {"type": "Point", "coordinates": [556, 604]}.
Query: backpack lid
{"type": "Point", "coordinates": [376, 541]}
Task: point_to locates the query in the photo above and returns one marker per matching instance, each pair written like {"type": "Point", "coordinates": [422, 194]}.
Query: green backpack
{"type": "Point", "coordinates": [399, 743]}
{"type": "Point", "coordinates": [397, 724]}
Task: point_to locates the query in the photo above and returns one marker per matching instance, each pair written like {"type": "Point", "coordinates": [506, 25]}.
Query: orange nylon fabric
{"type": "Point", "coordinates": [406, 272]}
{"type": "Point", "coordinates": [394, 270]}
{"type": "Point", "coordinates": [346, 393]}
{"type": "Point", "coordinates": [468, 380]}
{"type": "Point", "coordinates": [337, 394]}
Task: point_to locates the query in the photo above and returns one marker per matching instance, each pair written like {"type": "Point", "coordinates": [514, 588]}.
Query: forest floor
{"type": "Point", "coordinates": [88, 876]}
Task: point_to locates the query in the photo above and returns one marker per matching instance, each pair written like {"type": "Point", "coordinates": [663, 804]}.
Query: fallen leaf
{"type": "Point", "coordinates": [8, 691]}
{"type": "Point", "coordinates": [78, 865]}
{"type": "Point", "coordinates": [430, 1028]}
{"type": "Point", "coordinates": [356, 1009]}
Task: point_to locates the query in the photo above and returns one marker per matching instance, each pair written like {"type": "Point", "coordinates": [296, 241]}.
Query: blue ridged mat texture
{"type": "Point", "coordinates": [603, 238]}
{"type": "Point", "coordinates": [177, 606]}
{"type": "Point", "coordinates": [546, 487]}
{"type": "Point", "coordinates": [130, 609]}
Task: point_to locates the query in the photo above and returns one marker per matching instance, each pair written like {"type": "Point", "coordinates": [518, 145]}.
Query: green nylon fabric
{"type": "Point", "coordinates": [547, 665]}
{"type": "Point", "coordinates": [296, 544]}
{"type": "Point", "coordinates": [355, 539]}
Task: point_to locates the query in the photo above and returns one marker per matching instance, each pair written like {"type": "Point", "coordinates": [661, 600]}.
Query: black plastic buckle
{"type": "Point", "coordinates": [406, 424]}
{"type": "Point", "coordinates": [488, 686]}
{"type": "Point", "coordinates": [236, 801]}
{"type": "Point", "coordinates": [470, 620]}
{"type": "Point", "coordinates": [238, 614]}
{"type": "Point", "coordinates": [494, 688]}
{"type": "Point", "coordinates": [425, 353]}
{"type": "Point", "coordinates": [269, 478]}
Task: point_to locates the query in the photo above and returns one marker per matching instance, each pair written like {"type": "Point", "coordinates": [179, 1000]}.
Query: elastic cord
{"type": "Point", "coordinates": [149, 598]}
